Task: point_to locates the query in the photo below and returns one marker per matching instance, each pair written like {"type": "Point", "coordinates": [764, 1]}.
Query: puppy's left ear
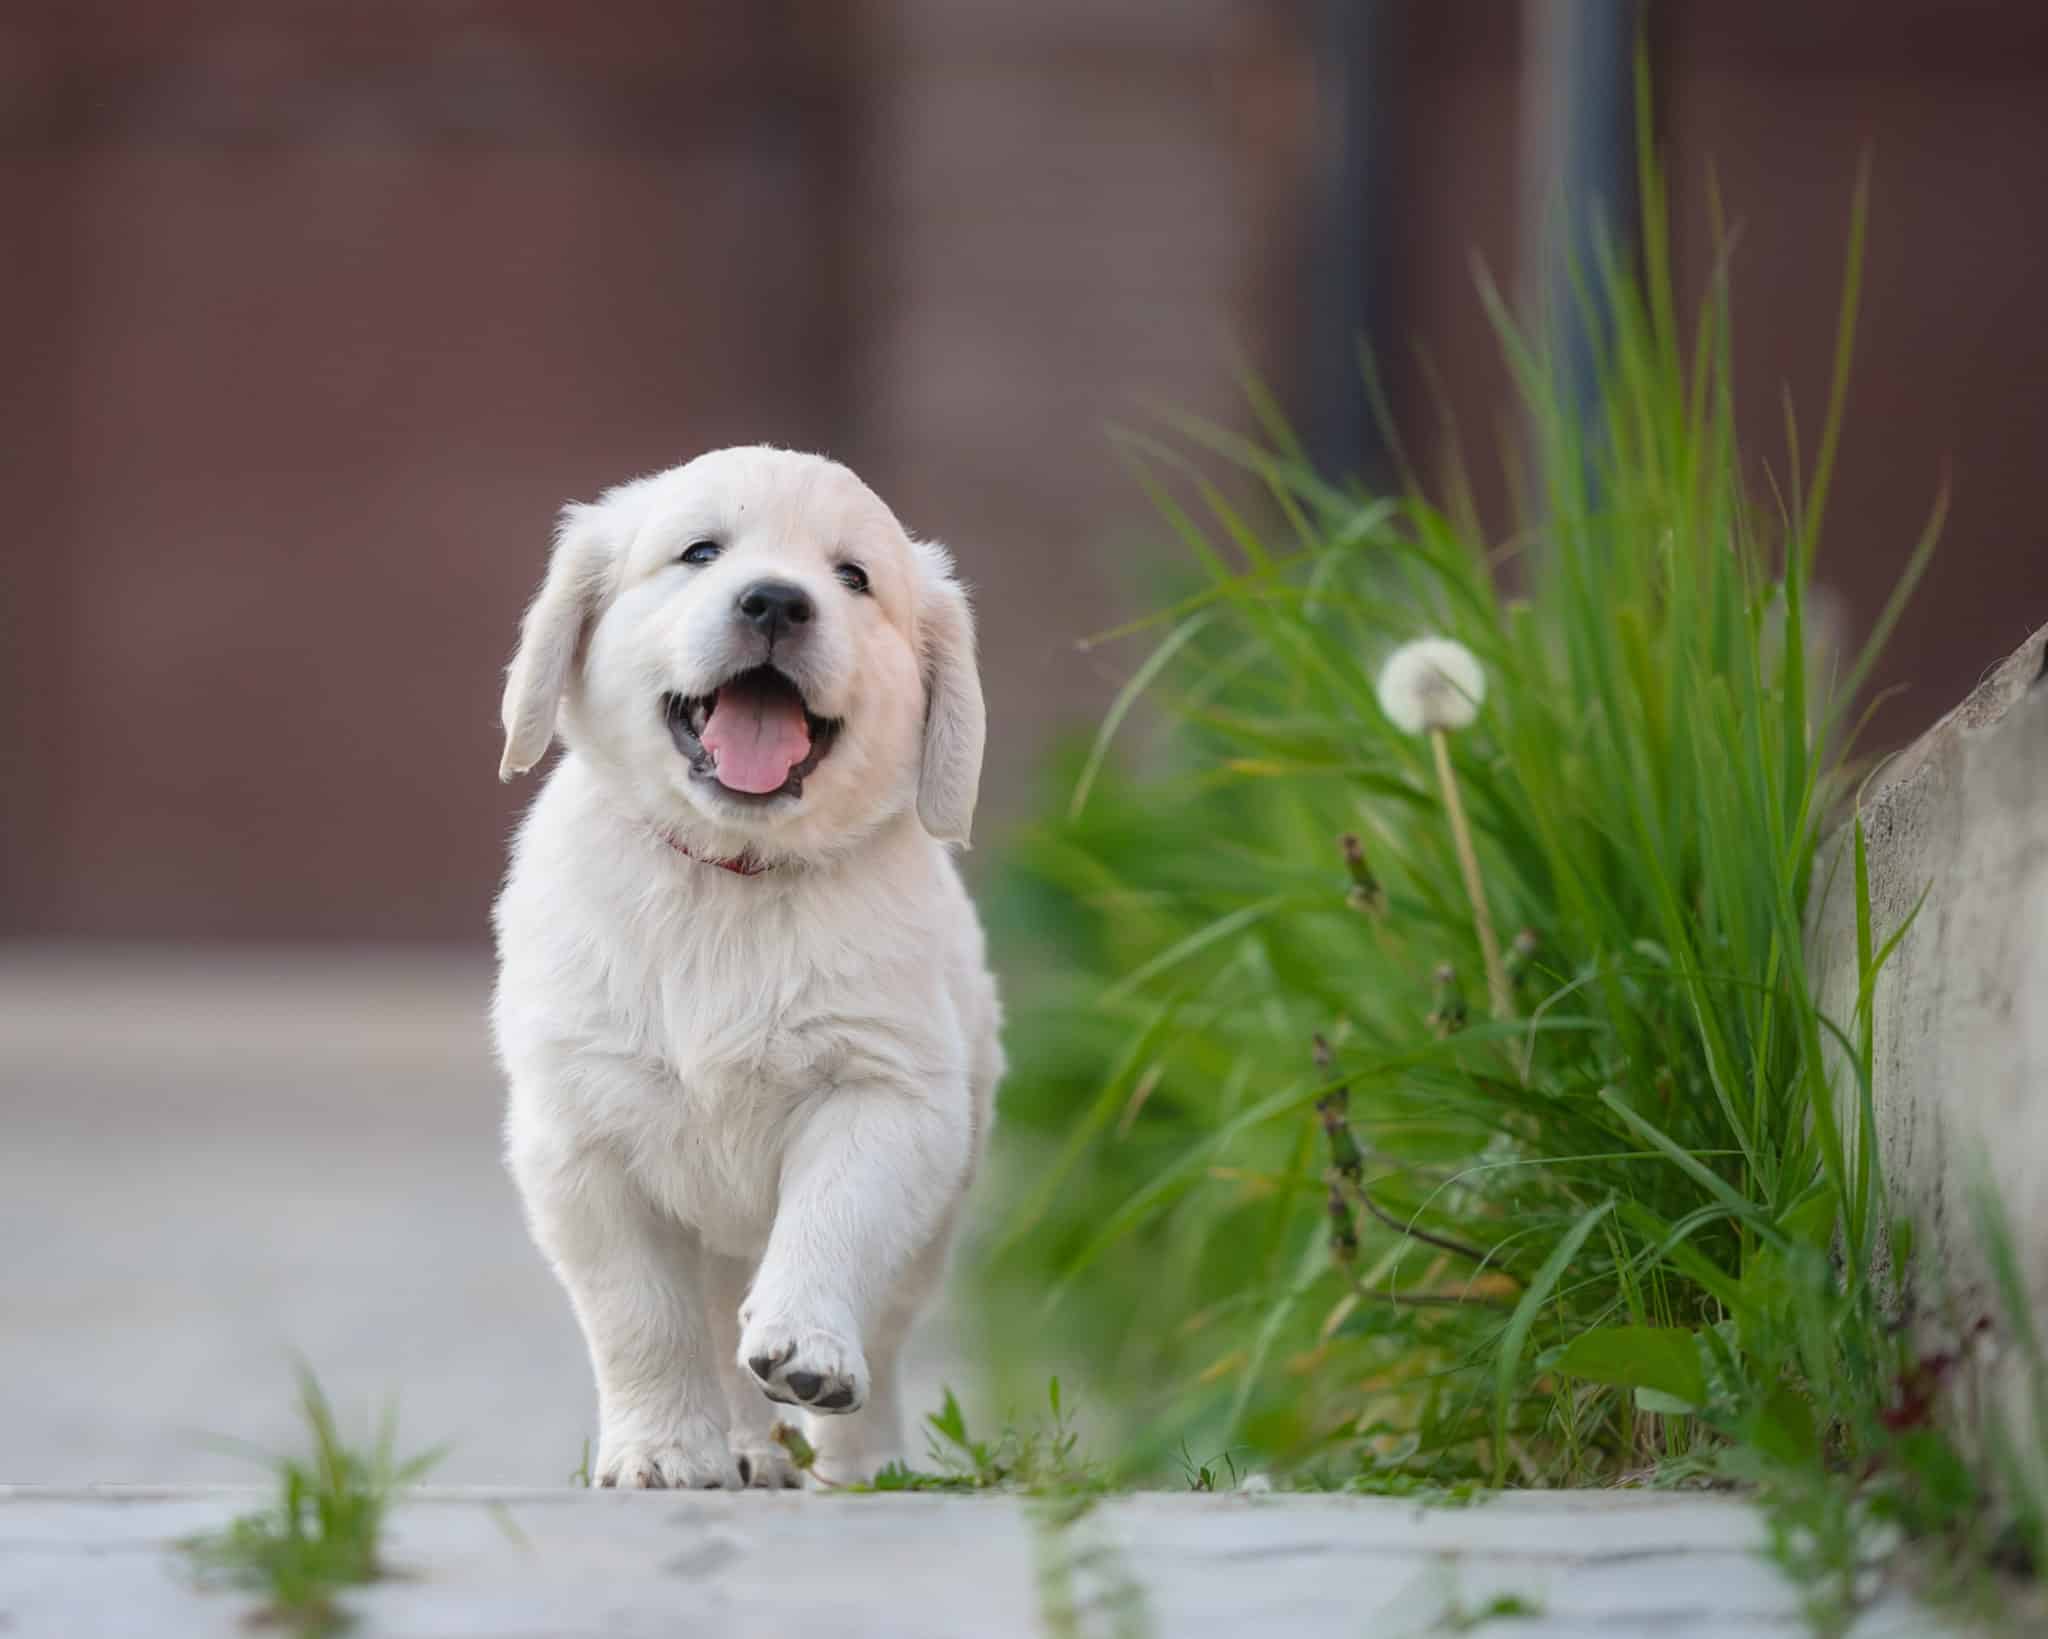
{"type": "Point", "coordinates": [955, 718]}
{"type": "Point", "coordinates": [550, 635]}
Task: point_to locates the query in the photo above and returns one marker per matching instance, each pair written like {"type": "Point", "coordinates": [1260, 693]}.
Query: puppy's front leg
{"type": "Point", "coordinates": [868, 1185]}
{"type": "Point", "coordinates": [632, 1276]}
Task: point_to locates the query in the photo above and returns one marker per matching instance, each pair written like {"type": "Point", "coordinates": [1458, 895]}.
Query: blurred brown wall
{"type": "Point", "coordinates": [1949, 104]}
{"type": "Point", "coordinates": [314, 314]}
{"type": "Point", "coordinates": [323, 310]}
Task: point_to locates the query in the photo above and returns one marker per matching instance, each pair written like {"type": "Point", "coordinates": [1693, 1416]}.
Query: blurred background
{"type": "Point", "coordinates": [315, 313]}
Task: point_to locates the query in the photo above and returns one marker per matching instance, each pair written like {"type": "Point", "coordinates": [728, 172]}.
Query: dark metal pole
{"type": "Point", "coordinates": [1591, 92]}
{"type": "Point", "coordinates": [1346, 261]}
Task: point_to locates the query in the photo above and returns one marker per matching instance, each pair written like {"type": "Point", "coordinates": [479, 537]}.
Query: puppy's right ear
{"type": "Point", "coordinates": [551, 634]}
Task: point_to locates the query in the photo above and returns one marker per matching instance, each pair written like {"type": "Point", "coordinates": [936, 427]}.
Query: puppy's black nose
{"type": "Point", "coordinates": [774, 607]}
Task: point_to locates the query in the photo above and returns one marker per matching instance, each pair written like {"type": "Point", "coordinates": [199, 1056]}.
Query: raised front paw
{"type": "Point", "coordinates": [695, 1459]}
{"type": "Point", "coordinates": [799, 1365]}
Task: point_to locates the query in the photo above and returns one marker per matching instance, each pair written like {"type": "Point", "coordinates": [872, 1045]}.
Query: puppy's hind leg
{"type": "Point", "coordinates": [632, 1276]}
{"type": "Point", "coordinates": [855, 1446]}
{"type": "Point", "coordinates": [750, 1426]}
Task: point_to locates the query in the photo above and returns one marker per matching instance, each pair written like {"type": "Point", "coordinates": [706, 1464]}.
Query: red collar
{"type": "Point", "coordinates": [740, 864]}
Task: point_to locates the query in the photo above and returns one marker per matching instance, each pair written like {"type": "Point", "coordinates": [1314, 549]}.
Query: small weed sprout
{"type": "Point", "coordinates": [1502, 1607]}
{"type": "Point", "coordinates": [323, 1533]}
{"type": "Point", "coordinates": [803, 1456]}
{"type": "Point", "coordinates": [1042, 1460]}
{"type": "Point", "coordinates": [1085, 1587]}
{"type": "Point", "coordinates": [1219, 1473]}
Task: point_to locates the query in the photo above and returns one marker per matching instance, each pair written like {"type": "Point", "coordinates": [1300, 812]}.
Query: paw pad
{"type": "Point", "coordinates": [815, 1369]}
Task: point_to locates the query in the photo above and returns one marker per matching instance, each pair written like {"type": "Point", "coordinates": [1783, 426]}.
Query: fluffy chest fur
{"type": "Point", "coordinates": [685, 1019]}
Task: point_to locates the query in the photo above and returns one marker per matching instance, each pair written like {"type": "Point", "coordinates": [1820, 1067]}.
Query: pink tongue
{"type": "Point", "coordinates": [757, 737]}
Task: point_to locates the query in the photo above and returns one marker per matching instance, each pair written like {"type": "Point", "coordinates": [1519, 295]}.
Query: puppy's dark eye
{"type": "Point", "coordinates": [699, 553]}
{"type": "Point", "coordinates": [852, 577]}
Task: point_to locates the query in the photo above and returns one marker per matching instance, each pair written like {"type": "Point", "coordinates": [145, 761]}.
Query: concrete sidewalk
{"type": "Point", "coordinates": [513, 1564]}
{"type": "Point", "coordinates": [212, 1162]}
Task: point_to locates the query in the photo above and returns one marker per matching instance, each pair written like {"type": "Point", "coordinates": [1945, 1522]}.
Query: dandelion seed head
{"type": "Point", "coordinates": [1430, 684]}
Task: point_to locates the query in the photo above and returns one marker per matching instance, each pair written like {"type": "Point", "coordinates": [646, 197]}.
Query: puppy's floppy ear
{"type": "Point", "coordinates": [550, 635]}
{"type": "Point", "coordinates": [955, 719]}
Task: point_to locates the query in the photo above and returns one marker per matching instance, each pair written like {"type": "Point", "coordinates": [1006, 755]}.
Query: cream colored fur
{"type": "Point", "coordinates": [743, 1109]}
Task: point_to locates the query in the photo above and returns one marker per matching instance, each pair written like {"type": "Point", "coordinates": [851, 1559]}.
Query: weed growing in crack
{"type": "Point", "coordinates": [1085, 1587]}
{"type": "Point", "coordinates": [322, 1534]}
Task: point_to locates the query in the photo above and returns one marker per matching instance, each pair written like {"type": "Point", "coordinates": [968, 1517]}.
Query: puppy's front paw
{"type": "Point", "coordinates": [696, 1460]}
{"type": "Point", "coordinates": [805, 1366]}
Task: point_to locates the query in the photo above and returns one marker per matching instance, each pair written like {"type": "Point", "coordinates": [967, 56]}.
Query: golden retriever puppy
{"type": "Point", "coordinates": [743, 1005]}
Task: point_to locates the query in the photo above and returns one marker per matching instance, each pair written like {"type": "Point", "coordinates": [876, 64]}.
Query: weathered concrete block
{"type": "Point", "coordinates": [1960, 1019]}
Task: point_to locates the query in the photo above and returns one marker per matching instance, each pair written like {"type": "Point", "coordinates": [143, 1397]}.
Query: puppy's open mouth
{"type": "Point", "coordinates": [752, 734]}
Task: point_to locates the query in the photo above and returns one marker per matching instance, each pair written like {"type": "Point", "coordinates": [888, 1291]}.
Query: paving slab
{"type": "Point", "coordinates": [213, 1161]}
{"type": "Point", "coordinates": [522, 1564]}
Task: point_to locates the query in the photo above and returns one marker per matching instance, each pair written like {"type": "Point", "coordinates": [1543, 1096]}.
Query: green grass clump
{"type": "Point", "coordinates": [1273, 1166]}
{"type": "Point", "coordinates": [1039, 1458]}
{"type": "Point", "coordinates": [321, 1536]}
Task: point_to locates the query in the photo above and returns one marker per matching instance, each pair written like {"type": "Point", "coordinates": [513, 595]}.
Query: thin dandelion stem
{"type": "Point", "coordinates": [1499, 997]}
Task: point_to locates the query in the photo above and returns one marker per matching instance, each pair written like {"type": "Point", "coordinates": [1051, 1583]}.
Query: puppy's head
{"type": "Point", "coordinates": [749, 645]}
